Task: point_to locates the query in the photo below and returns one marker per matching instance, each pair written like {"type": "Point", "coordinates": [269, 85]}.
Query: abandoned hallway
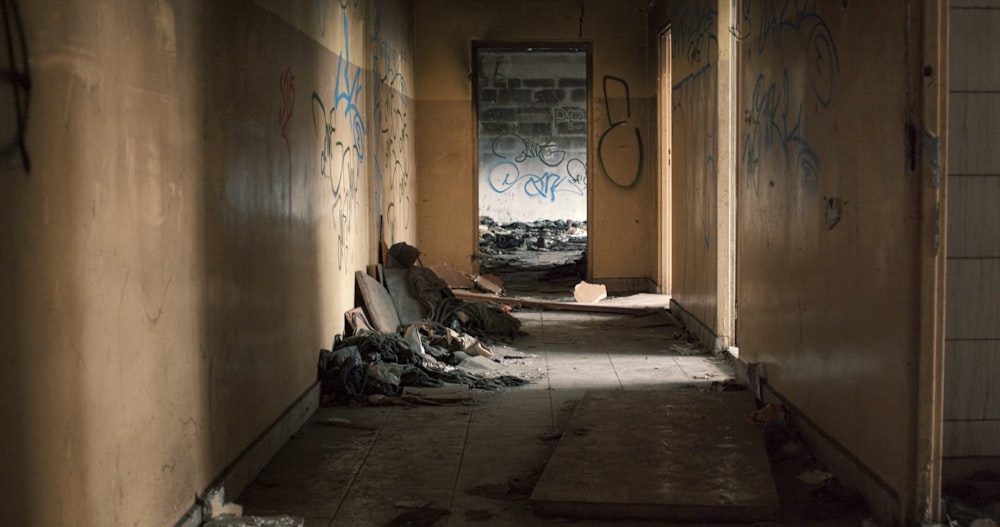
{"type": "Point", "coordinates": [479, 461]}
{"type": "Point", "coordinates": [189, 189]}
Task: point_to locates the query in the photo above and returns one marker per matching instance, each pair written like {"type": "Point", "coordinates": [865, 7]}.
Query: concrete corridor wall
{"type": "Point", "coordinates": [205, 178]}
{"type": "Point", "coordinates": [835, 217]}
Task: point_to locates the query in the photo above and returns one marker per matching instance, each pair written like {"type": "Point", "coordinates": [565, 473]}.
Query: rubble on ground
{"type": "Point", "coordinates": [974, 501]}
{"type": "Point", "coordinates": [540, 235]}
{"type": "Point", "coordinates": [415, 333]}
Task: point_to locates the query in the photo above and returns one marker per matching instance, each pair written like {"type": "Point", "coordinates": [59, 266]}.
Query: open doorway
{"type": "Point", "coordinates": [531, 113]}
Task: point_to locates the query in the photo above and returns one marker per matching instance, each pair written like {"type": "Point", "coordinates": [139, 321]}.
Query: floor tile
{"type": "Point", "coordinates": [363, 466]}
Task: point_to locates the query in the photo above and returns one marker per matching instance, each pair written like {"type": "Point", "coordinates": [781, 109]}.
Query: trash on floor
{"type": "Point", "coordinates": [606, 306]}
{"type": "Point", "coordinates": [257, 521]}
{"type": "Point", "coordinates": [214, 505]}
{"type": "Point", "coordinates": [380, 308]}
{"type": "Point", "coordinates": [489, 283]}
{"type": "Point", "coordinates": [541, 235]}
{"type": "Point", "coordinates": [453, 277]}
{"type": "Point", "coordinates": [357, 320]}
{"type": "Point", "coordinates": [372, 363]}
{"type": "Point", "coordinates": [585, 293]}
{"type": "Point", "coordinates": [409, 306]}
{"type": "Point", "coordinates": [382, 355]}
{"type": "Point", "coordinates": [974, 499]}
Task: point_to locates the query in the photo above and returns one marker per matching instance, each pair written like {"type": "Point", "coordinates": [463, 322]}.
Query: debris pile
{"type": "Point", "coordinates": [541, 235]}
{"type": "Point", "coordinates": [974, 501]}
{"type": "Point", "coordinates": [810, 491]}
{"type": "Point", "coordinates": [413, 332]}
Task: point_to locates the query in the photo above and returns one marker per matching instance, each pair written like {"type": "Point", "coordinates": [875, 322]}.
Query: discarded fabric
{"type": "Point", "coordinates": [371, 363]}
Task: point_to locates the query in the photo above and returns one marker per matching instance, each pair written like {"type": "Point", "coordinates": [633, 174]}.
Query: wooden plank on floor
{"type": "Point", "coordinates": [679, 455]}
{"type": "Point", "coordinates": [599, 307]}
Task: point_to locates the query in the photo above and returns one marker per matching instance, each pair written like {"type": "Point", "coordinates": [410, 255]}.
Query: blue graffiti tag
{"type": "Point", "coordinates": [772, 121]}
{"type": "Point", "coordinates": [813, 35]}
{"type": "Point", "coordinates": [506, 175]}
{"type": "Point", "coordinates": [545, 151]}
{"type": "Point", "coordinates": [341, 161]}
{"type": "Point", "coordinates": [390, 111]}
{"type": "Point", "coordinates": [348, 90]}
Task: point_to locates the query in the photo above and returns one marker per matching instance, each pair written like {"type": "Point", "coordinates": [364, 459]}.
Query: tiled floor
{"type": "Point", "coordinates": [479, 460]}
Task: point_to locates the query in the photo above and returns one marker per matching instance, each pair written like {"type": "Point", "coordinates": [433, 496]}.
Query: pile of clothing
{"type": "Point", "coordinates": [448, 347]}
{"type": "Point", "coordinates": [425, 355]}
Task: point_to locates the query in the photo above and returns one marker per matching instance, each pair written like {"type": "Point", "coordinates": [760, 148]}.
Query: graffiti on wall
{"type": "Point", "coordinates": [545, 151]}
{"type": "Point", "coordinates": [18, 76]}
{"type": "Point", "coordinates": [323, 7]}
{"type": "Point", "coordinates": [574, 117]}
{"type": "Point", "coordinates": [390, 114]}
{"type": "Point", "coordinates": [621, 136]}
{"type": "Point", "coordinates": [519, 159]}
{"type": "Point", "coordinates": [695, 108]}
{"type": "Point", "coordinates": [507, 175]}
{"type": "Point", "coordinates": [799, 24]}
{"type": "Point", "coordinates": [286, 85]}
{"type": "Point", "coordinates": [342, 152]}
{"type": "Point", "coordinates": [774, 120]}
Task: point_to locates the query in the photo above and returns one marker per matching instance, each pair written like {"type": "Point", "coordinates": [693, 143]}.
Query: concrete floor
{"type": "Point", "coordinates": [365, 466]}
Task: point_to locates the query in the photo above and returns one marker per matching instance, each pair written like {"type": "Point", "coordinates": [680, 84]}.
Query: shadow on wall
{"type": "Point", "coordinates": [40, 312]}
{"type": "Point", "coordinates": [17, 76]}
{"type": "Point", "coordinates": [258, 243]}
{"type": "Point", "coordinates": [15, 85]}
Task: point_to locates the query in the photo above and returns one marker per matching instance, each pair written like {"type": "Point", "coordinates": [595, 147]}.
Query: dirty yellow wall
{"type": "Point", "coordinates": [694, 70]}
{"type": "Point", "coordinates": [835, 222]}
{"type": "Point", "coordinates": [202, 187]}
{"type": "Point", "coordinates": [829, 221]}
{"type": "Point", "coordinates": [621, 194]}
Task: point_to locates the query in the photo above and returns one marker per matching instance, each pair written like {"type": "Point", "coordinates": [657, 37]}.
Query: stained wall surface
{"type": "Point", "coordinates": [972, 398]}
{"type": "Point", "coordinates": [620, 188]}
{"type": "Point", "coordinates": [829, 222]}
{"type": "Point", "coordinates": [205, 178]}
{"type": "Point", "coordinates": [694, 70]}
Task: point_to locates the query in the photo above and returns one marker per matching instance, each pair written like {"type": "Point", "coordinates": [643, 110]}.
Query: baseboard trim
{"type": "Point", "coordinates": [241, 472]}
{"type": "Point", "coordinates": [883, 502]}
{"type": "Point", "coordinates": [621, 286]}
{"type": "Point", "coordinates": [701, 331]}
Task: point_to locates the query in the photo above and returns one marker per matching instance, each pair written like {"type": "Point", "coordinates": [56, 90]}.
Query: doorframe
{"type": "Point", "coordinates": [664, 180]}
{"type": "Point", "coordinates": [929, 78]}
{"type": "Point", "coordinates": [726, 173]}
{"type": "Point", "coordinates": [584, 46]}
